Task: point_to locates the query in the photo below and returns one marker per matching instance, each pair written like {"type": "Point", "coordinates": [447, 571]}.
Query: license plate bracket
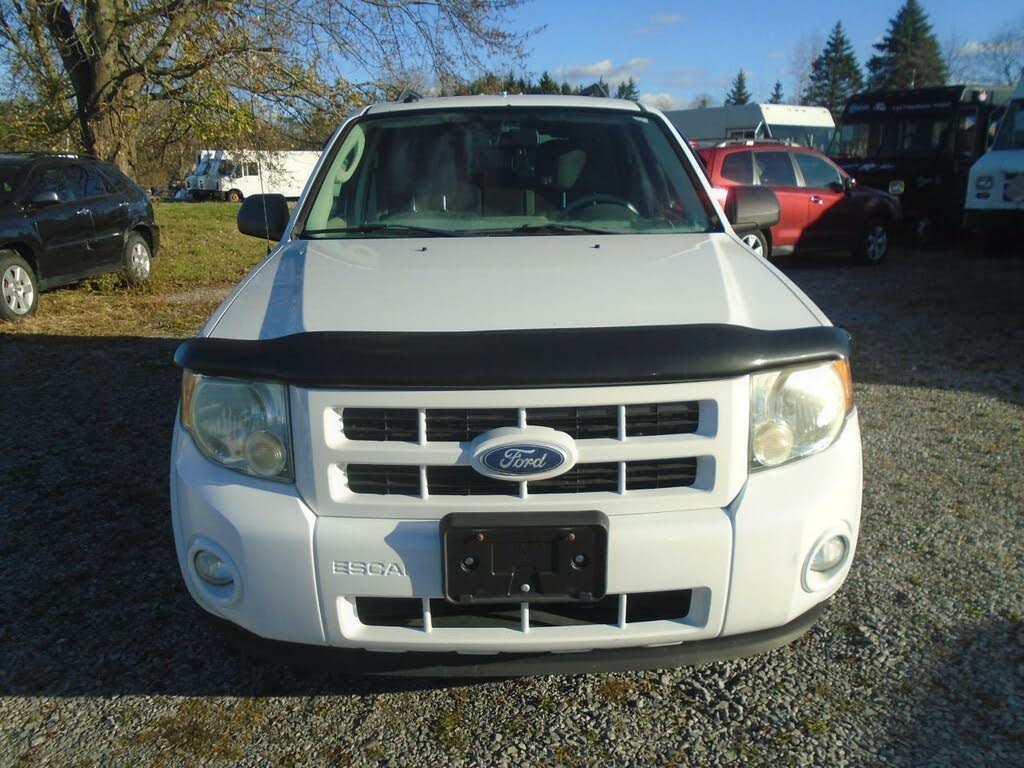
{"type": "Point", "coordinates": [513, 557]}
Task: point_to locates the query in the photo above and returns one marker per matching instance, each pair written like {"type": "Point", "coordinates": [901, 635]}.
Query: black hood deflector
{"type": "Point", "coordinates": [533, 358]}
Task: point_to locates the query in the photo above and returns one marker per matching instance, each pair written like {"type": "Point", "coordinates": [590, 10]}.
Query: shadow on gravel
{"type": "Point", "coordinates": [941, 318]}
{"type": "Point", "coordinates": [967, 700]}
{"type": "Point", "coordinates": [92, 600]}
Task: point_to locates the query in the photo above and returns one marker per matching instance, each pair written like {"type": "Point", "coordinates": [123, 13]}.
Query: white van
{"type": "Point", "coordinates": [808, 126]}
{"type": "Point", "coordinates": [235, 175]}
{"type": "Point", "coordinates": [995, 189]}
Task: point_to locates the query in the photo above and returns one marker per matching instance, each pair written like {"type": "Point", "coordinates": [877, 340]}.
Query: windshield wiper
{"type": "Point", "coordinates": [551, 226]}
{"type": "Point", "coordinates": [370, 228]}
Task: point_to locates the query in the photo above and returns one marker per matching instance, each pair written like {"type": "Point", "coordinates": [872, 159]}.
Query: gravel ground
{"type": "Point", "coordinates": [919, 661]}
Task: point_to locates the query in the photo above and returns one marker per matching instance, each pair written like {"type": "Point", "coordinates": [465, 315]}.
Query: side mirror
{"type": "Point", "coordinates": [42, 199]}
{"type": "Point", "coordinates": [849, 183]}
{"type": "Point", "coordinates": [752, 208]}
{"type": "Point", "coordinates": [263, 216]}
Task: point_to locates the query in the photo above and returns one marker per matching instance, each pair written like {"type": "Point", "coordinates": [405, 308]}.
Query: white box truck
{"type": "Point", "coordinates": [995, 189]}
{"type": "Point", "coordinates": [234, 175]}
{"type": "Point", "coordinates": [809, 126]}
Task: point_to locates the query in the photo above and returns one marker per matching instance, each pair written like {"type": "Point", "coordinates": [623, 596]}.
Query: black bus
{"type": "Point", "coordinates": [919, 145]}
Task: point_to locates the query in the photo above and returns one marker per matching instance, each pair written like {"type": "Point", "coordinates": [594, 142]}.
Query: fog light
{"type": "Point", "coordinates": [830, 554]}
{"type": "Point", "coordinates": [212, 569]}
{"type": "Point", "coordinates": [265, 453]}
{"type": "Point", "coordinates": [773, 443]}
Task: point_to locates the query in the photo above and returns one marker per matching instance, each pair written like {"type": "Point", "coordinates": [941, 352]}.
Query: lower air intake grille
{"type": "Point", "coordinates": [460, 480]}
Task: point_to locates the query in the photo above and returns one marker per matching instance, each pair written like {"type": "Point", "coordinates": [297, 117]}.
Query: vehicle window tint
{"type": "Point", "coordinates": [737, 167]}
{"type": "Point", "coordinates": [94, 183]}
{"type": "Point", "coordinates": [75, 181]}
{"type": "Point", "coordinates": [51, 180]}
{"type": "Point", "coordinates": [817, 171]}
{"type": "Point", "coordinates": [774, 169]}
{"type": "Point", "coordinates": [967, 131]}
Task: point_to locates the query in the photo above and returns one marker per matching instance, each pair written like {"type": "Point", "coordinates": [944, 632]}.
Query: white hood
{"type": "Point", "coordinates": [504, 283]}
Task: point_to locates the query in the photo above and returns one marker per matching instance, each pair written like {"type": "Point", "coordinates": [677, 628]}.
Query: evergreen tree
{"type": "Point", "coordinates": [565, 89]}
{"type": "Point", "coordinates": [628, 89]}
{"type": "Point", "coordinates": [835, 74]}
{"type": "Point", "coordinates": [776, 97]}
{"type": "Point", "coordinates": [909, 56]}
{"type": "Point", "coordinates": [547, 83]}
{"type": "Point", "coordinates": [738, 94]}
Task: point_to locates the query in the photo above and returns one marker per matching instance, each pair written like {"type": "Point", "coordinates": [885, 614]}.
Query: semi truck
{"type": "Point", "coordinates": [234, 175]}
{"type": "Point", "coordinates": [807, 126]}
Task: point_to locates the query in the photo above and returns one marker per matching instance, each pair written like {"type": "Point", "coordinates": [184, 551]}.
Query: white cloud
{"type": "Point", "coordinates": [660, 101]}
{"type": "Point", "coordinates": [611, 72]}
{"type": "Point", "coordinates": [659, 23]}
{"type": "Point", "coordinates": [979, 48]}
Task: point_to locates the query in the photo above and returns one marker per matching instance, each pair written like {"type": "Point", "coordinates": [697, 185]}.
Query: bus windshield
{"type": "Point", "coordinates": [508, 171]}
{"type": "Point", "coordinates": [1011, 131]}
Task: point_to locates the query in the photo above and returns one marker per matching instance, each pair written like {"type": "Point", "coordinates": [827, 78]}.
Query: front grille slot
{"type": "Point", "coordinates": [640, 607]}
{"type": "Point", "coordinates": [458, 425]}
{"type": "Point", "coordinates": [462, 480]}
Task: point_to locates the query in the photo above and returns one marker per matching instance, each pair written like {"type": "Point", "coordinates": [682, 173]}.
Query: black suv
{"type": "Point", "coordinates": [65, 217]}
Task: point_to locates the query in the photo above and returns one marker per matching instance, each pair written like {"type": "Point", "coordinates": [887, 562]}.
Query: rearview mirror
{"type": "Point", "coordinates": [264, 216]}
{"type": "Point", "coordinates": [752, 208]}
{"type": "Point", "coordinates": [40, 199]}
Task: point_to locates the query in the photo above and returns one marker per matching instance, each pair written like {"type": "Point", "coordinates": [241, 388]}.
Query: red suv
{"type": "Point", "coordinates": [821, 208]}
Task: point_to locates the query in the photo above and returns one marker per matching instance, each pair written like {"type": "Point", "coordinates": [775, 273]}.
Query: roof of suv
{"type": "Point", "coordinates": [519, 100]}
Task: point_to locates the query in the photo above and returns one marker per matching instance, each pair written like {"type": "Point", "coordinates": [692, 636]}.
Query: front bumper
{"type": "Point", "coordinates": [743, 565]}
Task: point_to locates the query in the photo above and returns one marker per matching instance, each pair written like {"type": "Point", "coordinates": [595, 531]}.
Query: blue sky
{"type": "Point", "coordinates": [677, 49]}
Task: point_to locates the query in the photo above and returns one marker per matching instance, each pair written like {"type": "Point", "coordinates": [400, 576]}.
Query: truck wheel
{"type": "Point", "coordinates": [874, 243]}
{"type": "Point", "coordinates": [758, 244]}
{"type": "Point", "coordinates": [137, 260]}
{"type": "Point", "coordinates": [234, 196]}
{"type": "Point", "coordinates": [19, 294]}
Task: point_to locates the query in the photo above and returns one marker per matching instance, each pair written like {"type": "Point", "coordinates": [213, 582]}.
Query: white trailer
{"type": "Point", "coordinates": [236, 174]}
{"type": "Point", "coordinates": [809, 126]}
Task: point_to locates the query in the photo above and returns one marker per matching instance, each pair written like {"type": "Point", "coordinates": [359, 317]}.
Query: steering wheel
{"type": "Point", "coordinates": [597, 198]}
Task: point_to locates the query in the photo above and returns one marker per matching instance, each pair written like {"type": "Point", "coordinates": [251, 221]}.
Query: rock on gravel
{"type": "Point", "coordinates": [104, 660]}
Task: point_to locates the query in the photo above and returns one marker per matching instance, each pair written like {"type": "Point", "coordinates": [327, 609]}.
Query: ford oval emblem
{"type": "Point", "coordinates": [523, 460]}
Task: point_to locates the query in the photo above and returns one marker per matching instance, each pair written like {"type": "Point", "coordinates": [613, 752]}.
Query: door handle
{"type": "Point", "coordinates": [82, 211]}
{"type": "Point", "coordinates": [817, 200]}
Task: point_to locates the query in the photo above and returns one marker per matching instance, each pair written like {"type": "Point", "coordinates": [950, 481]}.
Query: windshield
{"type": "Point", "coordinates": [505, 171]}
{"type": "Point", "coordinates": [1011, 131]}
{"type": "Point", "coordinates": [201, 168]}
{"type": "Point", "coordinates": [891, 137]}
{"type": "Point", "coordinates": [815, 137]}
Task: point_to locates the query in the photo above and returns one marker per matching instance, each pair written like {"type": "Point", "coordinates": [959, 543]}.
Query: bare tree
{"type": "Point", "coordinates": [959, 65]}
{"type": "Point", "coordinates": [801, 62]}
{"type": "Point", "coordinates": [108, 61]}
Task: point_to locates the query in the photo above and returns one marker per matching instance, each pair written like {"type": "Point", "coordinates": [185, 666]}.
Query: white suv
{"type": "Point", "coordinates": [511, 396]}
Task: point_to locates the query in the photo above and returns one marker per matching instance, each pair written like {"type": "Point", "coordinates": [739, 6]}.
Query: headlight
{"type": "Point", "coordinates": [983, 183]}
{"type": "Point", "coordinates": [897, 187]}
{"type": "Point", "coordinates": [240, 424]}
{"type": "Point", "coordinates": [797, 411]}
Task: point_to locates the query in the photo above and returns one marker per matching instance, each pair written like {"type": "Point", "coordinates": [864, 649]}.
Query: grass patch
{"type": "Point", "coordinates": [202, 255]}
{"type": "Point", "coordinates": [614, 690]}
{"type": "Point", "coordinates": [200, 730]}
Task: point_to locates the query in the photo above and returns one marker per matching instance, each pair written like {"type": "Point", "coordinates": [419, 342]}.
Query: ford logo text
{"type": "Point", "coordinates": [522, 459]}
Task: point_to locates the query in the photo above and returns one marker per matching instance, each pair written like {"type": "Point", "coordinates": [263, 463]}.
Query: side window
{"type": "Point", "coordinates": [967, 132]}
{"type": "Point", "coordinates": [50, 180]}
{"type": "Point", "coordinates": [75, 181]}
{"type": "Point", "coordinates": [94, 183]}
{"type": "Point", "coordinates": [817, 172]}
{"type": "Point", "coordinates": [774, 169]}
{"type": "Point", "coordinates": [737, 167]}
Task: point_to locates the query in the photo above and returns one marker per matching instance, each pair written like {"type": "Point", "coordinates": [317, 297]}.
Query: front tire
{"type": "Point", "coordinates": [873, 246]}
{"type": "Point", "coordinates": [234, 196]}
{"type": "Point", "coordinates": [757, 242]}
{"type": "Point", "coordinates": [19, 290]}
{"type": "Point", "coordinates": [137, 260]}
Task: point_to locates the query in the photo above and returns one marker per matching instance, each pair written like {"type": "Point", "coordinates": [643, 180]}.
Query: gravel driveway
{"type": "Point", "coordinates": [919, 661]}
